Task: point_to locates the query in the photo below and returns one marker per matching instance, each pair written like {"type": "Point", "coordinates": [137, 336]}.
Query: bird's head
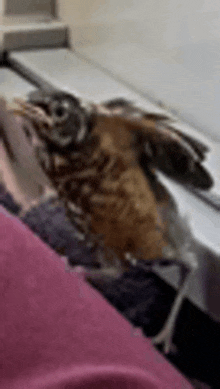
{"type": "Point", "coordinates": [58, 118]}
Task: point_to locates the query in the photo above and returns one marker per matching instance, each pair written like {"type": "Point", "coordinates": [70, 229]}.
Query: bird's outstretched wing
{"type": "Point", "coordinates": [156, 141]}
{"type": "Point", "coordinates": [160, 145]}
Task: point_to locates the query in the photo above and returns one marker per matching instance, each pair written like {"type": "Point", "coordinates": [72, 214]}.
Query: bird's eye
{"type": "Point", "coordinates": [59, 110]}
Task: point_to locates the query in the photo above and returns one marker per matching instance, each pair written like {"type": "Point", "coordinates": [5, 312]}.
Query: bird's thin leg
{"type": "Point", "coordinates": [111, 267]}
{"type": "Point", "coordinates": [188, 265]}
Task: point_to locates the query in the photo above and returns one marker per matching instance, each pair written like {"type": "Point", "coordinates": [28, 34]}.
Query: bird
{"type": "Point", "coordinates": [103, 159]}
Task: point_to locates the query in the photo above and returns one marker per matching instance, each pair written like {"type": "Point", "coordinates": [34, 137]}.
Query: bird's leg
{"type": "Point", "coordinates": [188, 266]}
{"type": "Point", "coordinates": [111, 266]}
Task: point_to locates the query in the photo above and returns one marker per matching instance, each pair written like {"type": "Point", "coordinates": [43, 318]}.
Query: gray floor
{"type": "Point", "coordinates": [67, 70]}
{"type": "Point", "coordinates": [12, 85]}
{"type": "Point", "coordinates": [189, 82]}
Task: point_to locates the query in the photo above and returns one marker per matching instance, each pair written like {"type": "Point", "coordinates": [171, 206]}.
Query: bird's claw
{"type": "Point", "coordinates": [164, 339]}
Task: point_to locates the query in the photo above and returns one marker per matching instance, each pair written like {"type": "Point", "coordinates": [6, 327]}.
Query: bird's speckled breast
{"type": "Point", "coordinates": [107, 194]}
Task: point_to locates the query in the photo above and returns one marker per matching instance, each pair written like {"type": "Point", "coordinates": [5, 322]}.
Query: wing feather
{"type": "Point", "coordinates": [164, 147]}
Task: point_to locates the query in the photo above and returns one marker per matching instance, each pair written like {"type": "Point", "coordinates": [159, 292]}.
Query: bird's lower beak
{"type": "Point", "coordinates": [33, 112]}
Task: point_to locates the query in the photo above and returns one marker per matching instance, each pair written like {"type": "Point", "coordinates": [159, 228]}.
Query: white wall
{"type": "Point", "coordinates": [1, 11]}
{"type": "Point", "coordinates": [171, 22]}
{"type": "Point", "coordinates": [1, 22]}
{"type": "Point", "coordinates": [167, 49]}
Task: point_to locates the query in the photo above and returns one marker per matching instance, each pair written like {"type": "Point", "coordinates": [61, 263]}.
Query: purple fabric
{"type": "Point", "coordinates": [58, 332]}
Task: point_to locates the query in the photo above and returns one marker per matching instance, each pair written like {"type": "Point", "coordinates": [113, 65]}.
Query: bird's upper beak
{"type": "Point", "coordinates": [39, 98]}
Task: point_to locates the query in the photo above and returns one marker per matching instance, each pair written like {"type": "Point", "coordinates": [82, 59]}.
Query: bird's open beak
{"type": "Point", "coordinates": [34, 112]}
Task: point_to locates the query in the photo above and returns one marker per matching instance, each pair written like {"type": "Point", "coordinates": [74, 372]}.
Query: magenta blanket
{"type": "Point", "coordinates": [58, 332]}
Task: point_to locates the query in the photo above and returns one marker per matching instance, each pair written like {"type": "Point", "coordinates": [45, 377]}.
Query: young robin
{"type": "Point", "coordinates": [102, 160]}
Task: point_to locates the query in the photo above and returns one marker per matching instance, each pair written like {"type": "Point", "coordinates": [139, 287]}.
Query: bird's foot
{"type": "Point", "coordinates": [164, 338]}
{"type": "Point", "coordinates": [103, 274]}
